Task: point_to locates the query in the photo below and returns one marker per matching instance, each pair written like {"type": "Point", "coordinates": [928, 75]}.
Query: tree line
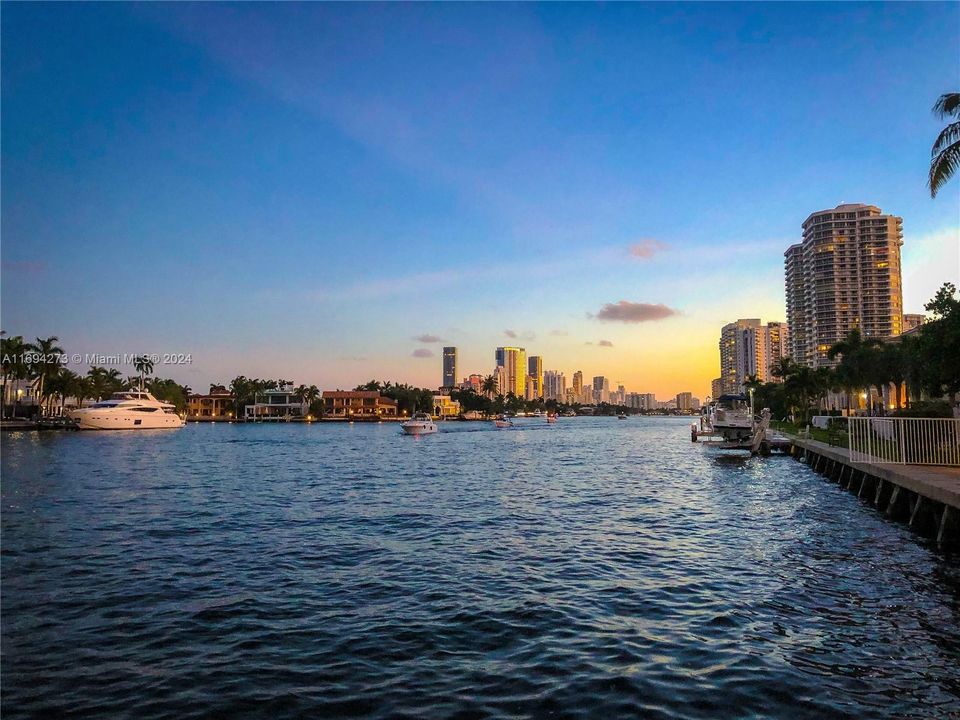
{"type": "Point", "coordinates": [38, 362]}
{"type": "Point", "coordinates": [925, 363]}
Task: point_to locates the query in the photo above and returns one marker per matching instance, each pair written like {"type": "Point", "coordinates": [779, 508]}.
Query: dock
{"type": "Point", "coordinates": [925, 497]}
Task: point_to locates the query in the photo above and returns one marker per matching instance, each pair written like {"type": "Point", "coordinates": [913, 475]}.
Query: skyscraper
{"type": "Point", "coordinates": [513, 360]}
{"type": "Point", "coordinates": [449, 367]}
{"type": "Point", "coordinates": [739, 348]}
{"type": "Point", "coordinates": [776, 345]}
{"type": "Point", "coordinates": [535, 370]}
{"type": "Point", "coordinates": [747, 347]}
{"type": "Point", "coordinates": [554, 385]}
{"type": "Point", "coordinates": [601, 389]}
{"type": "Point", "coordinates": [845, 274]}
{"type": "Point", "coordinates": [578, 383]}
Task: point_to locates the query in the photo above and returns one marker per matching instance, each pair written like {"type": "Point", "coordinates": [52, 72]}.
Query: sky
{"type": "Point", "coordinates": [330, 193]}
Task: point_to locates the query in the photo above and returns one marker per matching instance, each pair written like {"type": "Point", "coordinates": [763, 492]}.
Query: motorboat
{"type": "Point", "coordinates": [419, 424]}
{"type": "Point", "coordinates": [502, 421]}
{"type": "Point", "coordinates": [128, 410]}
{"type": "Point", "coordinates": [537, 413]}
{"type": "Point", "coordinates": [551, 417]}
{"type": "Point", "coordinates": [621, 416]}
{"type": "Point", "coordinates": [732, 417]}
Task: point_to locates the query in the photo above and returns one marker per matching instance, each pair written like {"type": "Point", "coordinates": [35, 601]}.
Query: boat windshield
{"type": "Point", "coordinates": [732, 402]}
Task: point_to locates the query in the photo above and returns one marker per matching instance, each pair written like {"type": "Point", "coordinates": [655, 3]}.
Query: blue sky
{"type": "Point", "coordinates": [303, 190]}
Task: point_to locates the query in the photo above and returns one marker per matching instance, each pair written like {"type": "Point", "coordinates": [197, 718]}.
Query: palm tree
{"type": "Point", "coordinates": [312, 395]}
{"type": "Point", "coordinates": [853, 372]}
{"type": "Point", "coordinates": [143, 365]}
{"type": "Point", "coordinates": [13, 364]}
{"type": "Point", "coordinates": [45, 363]}
{"type": "Point", "coordinates": [82, 389]}
{"type": "Point", "coordinates": [945, 153]}
{"type": "Point", "coordinates": [783, 368]}
{"type": "Point", "coordinates": [103, 382]}
{"type": "Point", "coordinates": [63, 385]}
{"type": "Point", "coordinates": [489, 385]}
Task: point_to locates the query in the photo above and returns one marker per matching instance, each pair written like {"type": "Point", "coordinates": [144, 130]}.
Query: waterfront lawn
{"type": "Point", "coordinates": [836, 438]}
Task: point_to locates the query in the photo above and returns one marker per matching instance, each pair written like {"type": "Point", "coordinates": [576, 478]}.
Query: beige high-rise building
{"type": "Point", "coordinates": [578, 383]}
{"type": "Point", "coordinates": [776, 345]}
{"type": "Point", "coordinates": [513, 360]}
{"type": "Point", "coordinates": [748, 347]}
{"type": "Point", "coordinates": [845, 274]}
{"type": "Point", "coordinates": [554, 385]}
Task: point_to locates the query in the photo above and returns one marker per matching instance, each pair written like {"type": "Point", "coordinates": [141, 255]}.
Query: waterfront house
{"type": "Point", "coordinates": [218, 403]}
{"type": "Point", "coordinates": [276, 405]}
{"type": "Point", "coordinates": [20, 397]}
{"type": "Point", "coordinates": [358, 404]}
{"type": "Point", "coordinates": [445, 407]}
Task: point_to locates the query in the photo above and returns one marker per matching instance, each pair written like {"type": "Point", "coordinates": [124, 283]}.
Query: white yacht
{"type": "Point", "coordinates": [732, 417]}
{"type": "Point", "coordinates": [419, 424]}
{"type": "Point", "coordinates": [128, 410]}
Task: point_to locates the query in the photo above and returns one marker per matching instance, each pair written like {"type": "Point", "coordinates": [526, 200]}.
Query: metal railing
{"type": "Point", "coordinates": [914, 441]}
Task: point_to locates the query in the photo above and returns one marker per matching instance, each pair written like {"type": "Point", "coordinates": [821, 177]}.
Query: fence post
{"type": "Point", "coordinates": [901, 428]}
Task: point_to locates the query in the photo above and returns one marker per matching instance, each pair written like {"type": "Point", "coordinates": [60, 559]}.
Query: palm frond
{"type": "Point", "coordinates": [942, 167]}
{"type": "Point", "coordinates": [946, 105]}
{"type": "Point", "coordinates": [949, 135]}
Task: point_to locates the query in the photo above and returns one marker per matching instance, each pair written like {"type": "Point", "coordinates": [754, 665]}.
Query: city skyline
{"type": "Point", "coordinates": [308, 203]}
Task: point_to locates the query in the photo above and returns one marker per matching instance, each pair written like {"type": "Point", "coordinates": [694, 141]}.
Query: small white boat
{"type": "Point", "coordinates": [128, 410]}
{"type": "Point", "coordinates": [621, 416]}
{"type": "Point", "coordinates": [501, 421]}
{"type": "Point", "coordinates": [419, 424]}
{"type": "Point", "coordinates": [551, 418]}
{"type": "Point", "coordinates": [732, 417]}
{"type": "Point", "coordinates": [537, 413]}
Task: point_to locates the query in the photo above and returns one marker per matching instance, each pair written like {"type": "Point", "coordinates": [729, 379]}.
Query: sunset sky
{"type": "Point", "coordinates": [330, 193]}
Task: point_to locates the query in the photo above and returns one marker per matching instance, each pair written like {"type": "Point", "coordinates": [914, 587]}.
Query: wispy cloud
{"type": "Point", "coordinates": [525, 335]}
{"type": "Point", "coordinates": [646, 248]}
{"type": "Point", "coordinates": [631, 312]}
{"type": "Point", "coordinates": [427, 338]}
{"type": "Point", "coordinates": [605, 343]}
{"type": "Point", "coordinates": [559, 333]}
{"type": "Point", "coordinates": [24, 267]}
{"type": "Point", "coordinates": [422, 353]}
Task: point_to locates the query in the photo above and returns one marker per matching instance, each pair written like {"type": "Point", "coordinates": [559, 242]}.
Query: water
{"type": "Point", "coordinates": [596, 568]}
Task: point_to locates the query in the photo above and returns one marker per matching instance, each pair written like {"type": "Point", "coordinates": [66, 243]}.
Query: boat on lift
{"type": "Point", "coordinates": [731, 416]}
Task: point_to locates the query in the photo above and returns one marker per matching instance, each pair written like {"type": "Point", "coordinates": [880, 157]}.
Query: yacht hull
{"type": "Point", "coordinates": [419, 429]}
{"type": "Point", "coordinates": [125, 421]}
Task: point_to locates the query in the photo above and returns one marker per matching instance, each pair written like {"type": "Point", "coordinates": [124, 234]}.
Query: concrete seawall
{"type": "Point", "coordinates": [925, 497]}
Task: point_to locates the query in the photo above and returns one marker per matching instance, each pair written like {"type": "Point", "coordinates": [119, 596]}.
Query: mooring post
{"type": "Point", "coordinates": [876, 498]}
{"type": "Point", "coordinates": [944, 519]}
{"type": "Point", "coordinates": [892, 504]}
{"type": "Point", "coordinates": [916, 509]}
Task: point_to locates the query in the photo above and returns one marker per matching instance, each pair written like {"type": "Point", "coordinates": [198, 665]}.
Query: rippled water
{"type": "Point", "coordinates": [596, 568]}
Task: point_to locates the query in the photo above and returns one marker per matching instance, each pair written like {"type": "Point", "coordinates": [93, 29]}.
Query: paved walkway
{"type": "Point", "coordinates": [932, 481]}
